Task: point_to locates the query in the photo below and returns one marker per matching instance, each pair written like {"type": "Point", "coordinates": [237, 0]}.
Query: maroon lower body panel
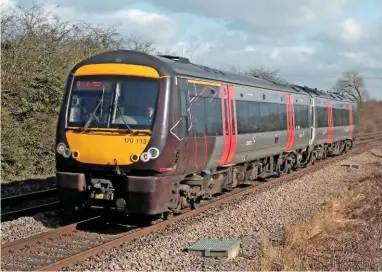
{"type": "Point", "coordinates": [143, 194]}
{"type": "Point", "coordinates": [150, 195]}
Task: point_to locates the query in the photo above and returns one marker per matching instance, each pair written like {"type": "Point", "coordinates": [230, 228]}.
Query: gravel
{"type": "Point", "coordinates": [24, 227]}
{"type": "Point", "coordinates": [27, 186]}
{"type": "Point", "coordinates": [248, 220]}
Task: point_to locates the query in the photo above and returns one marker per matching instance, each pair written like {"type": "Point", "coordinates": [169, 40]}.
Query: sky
{"type": "Point", "coordinates": [311, 42]}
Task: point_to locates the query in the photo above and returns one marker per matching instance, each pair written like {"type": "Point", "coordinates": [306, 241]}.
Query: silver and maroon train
{"type": "Point", "coordinates": [152, 135]}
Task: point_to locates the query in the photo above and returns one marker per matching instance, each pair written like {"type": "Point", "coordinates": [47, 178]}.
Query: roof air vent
{"type": "Point", "coordinates": [175, 58]}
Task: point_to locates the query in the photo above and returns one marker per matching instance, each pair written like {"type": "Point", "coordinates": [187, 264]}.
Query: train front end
{"type": "Point", "coordinates": [111, 143]}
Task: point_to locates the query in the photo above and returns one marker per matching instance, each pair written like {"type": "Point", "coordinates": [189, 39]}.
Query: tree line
{"type": "Point", "coordinates": [38, 49]}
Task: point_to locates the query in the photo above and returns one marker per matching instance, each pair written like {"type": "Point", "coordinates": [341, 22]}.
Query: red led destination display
{"type": "Point", "coordinates": [89, 85]}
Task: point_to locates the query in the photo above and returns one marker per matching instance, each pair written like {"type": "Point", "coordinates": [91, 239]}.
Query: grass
{"type": "Point", "coordinates": [345, 235]}
{"type": "Point", "coordinates": [370, 116]}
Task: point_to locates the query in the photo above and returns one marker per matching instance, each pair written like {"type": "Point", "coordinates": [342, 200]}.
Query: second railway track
{"type": "Point", "coordinates": [74, 243]}
{"type": "Point", "coordinates": [28, 204]}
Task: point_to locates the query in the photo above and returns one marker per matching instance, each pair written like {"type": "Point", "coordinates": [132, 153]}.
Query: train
{"type": "Point", "coordinates": [154, 135]}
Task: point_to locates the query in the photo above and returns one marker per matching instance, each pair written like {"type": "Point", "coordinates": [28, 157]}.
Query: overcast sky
{"type": "Point", "coordinates": [310, 41]}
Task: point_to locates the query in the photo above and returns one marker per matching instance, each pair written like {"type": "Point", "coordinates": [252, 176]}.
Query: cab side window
{"type": "Point", "coordinates": [184, 104]}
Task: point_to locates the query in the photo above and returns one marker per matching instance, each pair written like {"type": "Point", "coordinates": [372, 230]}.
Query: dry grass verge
{"type": "Point", "coordinates": [345, 235]}
{"type": "Point", "coordinates": [370, 116]}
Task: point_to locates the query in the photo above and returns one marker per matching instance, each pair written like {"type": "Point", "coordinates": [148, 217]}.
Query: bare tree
{"type": "Point", "coordinates": [270, 75]}
{"type": "Point", "coordinates": [352, 83]}
{"type": "Point", "coordinates": [263, 73]}
{"type": "Point", "coordinates": [234, 69]}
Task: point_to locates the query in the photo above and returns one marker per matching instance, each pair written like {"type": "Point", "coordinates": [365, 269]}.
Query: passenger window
{"type": "Point", "coordinates": [264, 115]}
{"type": "Point", "coordinates": [283, 116]}
{"type": "Point", "coordinates": [346, 117]}
{"type": "Point", "coordinates": [198, 117]}
{"type": "Point", "coordinates": [253, 118]}
{"type": "Point", "coordinates": [304, 112]}
{"type": "Point", "coordinates": [214, 120]}
{"type": "Point", "coordinates": [242, 116]}
{"type": "Point", "coordinates": [274, 118]}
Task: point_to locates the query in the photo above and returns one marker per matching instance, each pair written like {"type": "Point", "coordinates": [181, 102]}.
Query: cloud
{"type": "Point", "coordinates": [155, 27]}
{"type": "Point", "coordinates": [311, 42]}
{"type": "Point", "coordinates": [350, 30]}
{"type": "Point", "coordinates": [6, 4]}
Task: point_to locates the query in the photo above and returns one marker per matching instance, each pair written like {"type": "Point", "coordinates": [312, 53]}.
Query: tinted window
{"type": "Point", "coordinates": [198, 117]}
{"type": "Point", "coordinates": [137, 102]}
{"type": "Point", "coordinates": [345, 117]}
{"type": "Point", "coordinates": [264, 117]}
{"type": "Point", "coordinates": [253, 119]}
{"type": "Point", "coordinates": [206, 111]}
{"type": "Point", "coordinates": [301, 113]}
{"type": "Point", "coordinates": [213, 116]}
{"type": "Point", "coordinates": [297, 116]}
{"type": "Point", "coordinates": [274, 118]}
{"type": "Point", "coordinates": [337, 118]}
{"type": "Point", "coordinates": [242, 116]}
{"type": "Point", "coordinates": [322, 115]}
{"type": "Point", "coordinates": [283, 116]}
{"type": "Point", "coordinates": [86, 95]}
{"type": "Point", "coordinates": [184, 106]}
{"type": "Point", "coordinates": [115, 101]}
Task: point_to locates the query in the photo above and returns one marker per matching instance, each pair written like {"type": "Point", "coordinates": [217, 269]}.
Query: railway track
{"type": "Point", "coordinates": [28, 204]}
{"type": "Point", "coordinates": [60, 248]}
{"type": "Point", "coordinates": [368, 137]}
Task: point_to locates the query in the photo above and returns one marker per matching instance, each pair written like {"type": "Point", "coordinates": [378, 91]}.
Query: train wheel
{"type": "Point", "coordinates": [194, 203]}
{"type": "Point", "coordinates": [168, 215]}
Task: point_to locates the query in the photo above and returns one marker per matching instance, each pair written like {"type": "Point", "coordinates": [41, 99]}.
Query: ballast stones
{"type": "Point", "coordinates": [215, 248]}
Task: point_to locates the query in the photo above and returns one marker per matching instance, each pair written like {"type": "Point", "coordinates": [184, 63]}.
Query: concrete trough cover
{"type": "Point", "coordinates": [215, 248]}
{"type": "Point", "coordinates": [351, 165]}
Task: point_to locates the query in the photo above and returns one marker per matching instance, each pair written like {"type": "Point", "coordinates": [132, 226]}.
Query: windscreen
{"type": "Point", "coordinates": [113, 102]}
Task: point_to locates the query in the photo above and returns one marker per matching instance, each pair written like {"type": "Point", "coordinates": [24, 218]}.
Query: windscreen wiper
{"type": "Point", "coordinates": [92, 115]}
{"type": "Point", "coordinates": [145, 132]}
{"type": "Point", "coordinates": [127, 125]}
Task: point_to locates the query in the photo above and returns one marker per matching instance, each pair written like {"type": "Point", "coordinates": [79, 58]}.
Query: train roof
{"type": "Point", "coordinates": [175, 65]}
{"type": "Point", "coordinates": [322, 94]}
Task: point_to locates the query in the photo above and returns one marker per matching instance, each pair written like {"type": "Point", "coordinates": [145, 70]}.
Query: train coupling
{"type": "Point", "coordinates": [101, 189]}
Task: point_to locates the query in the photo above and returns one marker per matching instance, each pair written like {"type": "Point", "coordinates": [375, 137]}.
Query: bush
{"type": "Point", "coordinates": [38, 50]}
{"type": "Point", "coordinates": [370, 116]}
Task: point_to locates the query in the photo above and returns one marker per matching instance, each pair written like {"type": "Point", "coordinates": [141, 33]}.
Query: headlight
{"type": "Point", "coordinates": [75, 154]}
{"type": "Point", "coordinates": [134, 158]}
{"type": "Point", "coordinates": [154, 152]}
{"type": "Point", "coordinates": [61, 148]}
{"type": "Point", "coordinates": [145, 157]}
{"type": "Point", "coordinates": [67, 153]}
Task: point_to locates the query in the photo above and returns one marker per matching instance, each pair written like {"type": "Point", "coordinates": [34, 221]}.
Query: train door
{"type": "Point", "coordinates": [229, 125]}
{"type": "Point", "coordinates": [290, 122]}
{"type": "Point", "coordinates": [351, 127]}
{"type": "Point", "coordinates": [313, 121]}
{"type": "Point", "coordinates": [330, 122]}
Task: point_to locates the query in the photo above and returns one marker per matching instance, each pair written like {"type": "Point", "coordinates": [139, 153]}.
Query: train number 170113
{"type": "Point", "coordinates": [135, 141]}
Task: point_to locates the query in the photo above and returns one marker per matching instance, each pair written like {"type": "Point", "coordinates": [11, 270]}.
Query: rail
{"type": "Point", "coordinates": [28, 204]}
